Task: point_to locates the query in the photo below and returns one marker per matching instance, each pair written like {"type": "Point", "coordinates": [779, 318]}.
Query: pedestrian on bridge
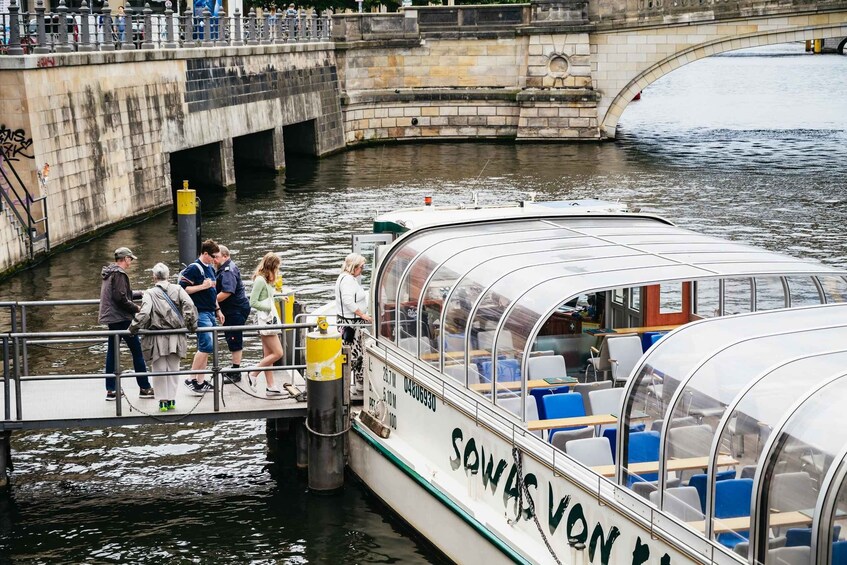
{"type": "Point", "coordinates": [235, 307]}
{"type": "Point", "coordinates": [116, 311]}
{"type": "Point", "coordinates": [198, 280]}
{"type": "Point", "coordinates": [262, 299]}
{"type": "Point", "coordinates": [165, 306]}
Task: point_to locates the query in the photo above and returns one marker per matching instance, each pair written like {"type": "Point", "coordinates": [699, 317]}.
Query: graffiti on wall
{"type": "Point", "coordinates": [15, 143]}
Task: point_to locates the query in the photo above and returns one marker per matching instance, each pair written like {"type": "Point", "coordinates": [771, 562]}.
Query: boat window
{"type": "Point", "coordinates": [738, 296]}
{"type": "Point", "coordinates": [706, 302]}
{"type": "Point", "coordinates": [770, 293]}
{"type": "Point", "coordinates": [448, 327]}
{"type": "Point", "coordinates": [835, 521]}
{"type": "Point", "coordinates": [670, 298]}
{"type": "Point", "coordinates": [803, 291]}
{"type": "Point", "coordinates": [803, 451]}
{"type": "Point", "coordinates": [435, 248]}
{"type": "Point", "coordinates": [834, 288]}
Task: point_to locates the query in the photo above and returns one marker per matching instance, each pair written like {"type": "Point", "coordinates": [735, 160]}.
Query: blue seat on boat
{"type": "Point", "coordinates": [649, 338]}
{"type": "Point", "coordinates": [698, 481]}
{"type": "Point", "coordinates": [796, 537]}
{"type": "Point", "coordinates": [611, 434]}
{"type": "Point", "coordinates": [732, 500]}
{"type": "Point", "coordinates": [567, 405]}
{"type": "Point", "coordinates": [508, 370]}
{"type": "Point", "coordinates": [643, 447]}
{"type": "Point", "coordinates": [538, 393]}
{"type": "Point", "coordinates": [839, 553]}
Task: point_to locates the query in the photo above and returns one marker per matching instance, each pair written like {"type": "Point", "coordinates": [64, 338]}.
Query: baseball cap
{"type": "Point", "coordinates": [122, 252]}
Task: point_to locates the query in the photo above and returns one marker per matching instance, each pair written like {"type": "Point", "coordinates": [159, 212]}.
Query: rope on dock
{"type": "Point", "coordinates": [319, 434]}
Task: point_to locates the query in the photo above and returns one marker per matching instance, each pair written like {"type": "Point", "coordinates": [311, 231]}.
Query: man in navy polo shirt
{"type": "Point", "coordinates": [198, 280]}
{"type": "Point", "coordinates": [235, 307]}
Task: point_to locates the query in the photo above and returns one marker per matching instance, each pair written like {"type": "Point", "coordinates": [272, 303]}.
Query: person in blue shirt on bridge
{"type": "Point", "coordinates": [235, 307]}
{"type": "Point", "coordinates": [198, 280]}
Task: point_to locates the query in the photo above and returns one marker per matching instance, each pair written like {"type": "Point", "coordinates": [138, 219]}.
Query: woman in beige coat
{"type": "Point", "coordinates": [165, 306]}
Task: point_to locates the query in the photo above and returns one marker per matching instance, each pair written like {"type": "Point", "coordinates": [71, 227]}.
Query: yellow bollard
{"type": "Point", "coordinates": [818, 46]}
{"type": "Point", "coordinates": [186, 214]}
{"type": "Point", "coordinates": [325, 410]}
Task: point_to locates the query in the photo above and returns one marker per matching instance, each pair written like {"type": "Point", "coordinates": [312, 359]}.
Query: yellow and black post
{"type": "Point", "coordinates": [325, 411]}
{"type": "Point", "coordinates": [186, 224]}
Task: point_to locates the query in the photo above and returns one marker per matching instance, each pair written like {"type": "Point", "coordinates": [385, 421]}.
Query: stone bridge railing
{"type": "Point", "coordinates": [63, 31]}
{"type": "Point", "coordinates": [571, 15]}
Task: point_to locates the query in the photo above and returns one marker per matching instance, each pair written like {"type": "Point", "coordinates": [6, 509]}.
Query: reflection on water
{"type": "Point", "coordinates": [749, 146]}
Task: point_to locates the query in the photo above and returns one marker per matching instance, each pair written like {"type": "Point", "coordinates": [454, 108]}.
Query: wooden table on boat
{"type": "Point", "coordinates": [636, 330]}
{"type": "Point", "coordinates": [457, 355]}
{"type": "Point", "coordinates": [742, 523]}
{"type": "Point", "coordinates": [683, 464]}
{"type": "Point", "coordinates": [516, 385]}
{"type": "Point", "coordinates": [574, 422]}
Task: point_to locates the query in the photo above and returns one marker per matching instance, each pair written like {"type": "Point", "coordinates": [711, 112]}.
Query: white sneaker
{"type": "Point", "coordinates": [251, 381]}
{"type": "Point", "coordinates": [272, 392]}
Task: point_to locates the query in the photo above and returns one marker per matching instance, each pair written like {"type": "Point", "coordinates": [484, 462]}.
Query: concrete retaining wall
{"type": "Point", "coordinates": [107, 123]}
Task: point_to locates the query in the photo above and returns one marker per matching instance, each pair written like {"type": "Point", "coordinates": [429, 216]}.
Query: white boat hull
{"type": "Point", "coordinates": [450, 470]}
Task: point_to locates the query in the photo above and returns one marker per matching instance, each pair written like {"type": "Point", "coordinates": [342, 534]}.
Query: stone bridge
{"type": "Point", "coordinates": [118, 126]}
{"type": "Point", "coordinates": [547, 70]}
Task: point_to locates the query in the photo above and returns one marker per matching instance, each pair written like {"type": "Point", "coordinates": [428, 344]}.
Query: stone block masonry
{"type": "Point", "coordinates": [109, 123]}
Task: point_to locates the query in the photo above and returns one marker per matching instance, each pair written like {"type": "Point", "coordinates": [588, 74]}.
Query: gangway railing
{"type": "Point", "coordinates": [18, 339]}
{"type": "Point", "coordinates": [16, 366]}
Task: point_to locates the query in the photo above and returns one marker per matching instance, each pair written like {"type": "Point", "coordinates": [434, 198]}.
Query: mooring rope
{"type": "Point", "coordinates": [518, 457]}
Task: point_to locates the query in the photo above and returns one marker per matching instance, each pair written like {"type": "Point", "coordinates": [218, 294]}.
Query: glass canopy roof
{"type": "Point", "coordinates": [504, 278]}
{"type": "Point", "coordinates": [777, 379]}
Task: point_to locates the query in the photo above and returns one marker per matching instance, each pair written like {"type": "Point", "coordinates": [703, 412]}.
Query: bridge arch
{"type": "Point", "coordinates": [609, 122]}
{"type": "Point", "coordinates": [840, 48]}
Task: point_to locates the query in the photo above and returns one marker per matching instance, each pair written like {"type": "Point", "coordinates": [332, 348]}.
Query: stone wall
{"type": "Point", "coordinates": [107, 123]}
{"type": "Point", "coordinates": [465, 86]}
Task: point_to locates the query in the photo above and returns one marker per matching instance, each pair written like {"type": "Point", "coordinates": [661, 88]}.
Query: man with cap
{"type": "Point", "coordinates": [117, 311]}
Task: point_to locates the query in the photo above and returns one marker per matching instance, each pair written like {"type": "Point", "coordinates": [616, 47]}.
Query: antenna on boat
{"type": "Point", "coordinates": [475, 192]}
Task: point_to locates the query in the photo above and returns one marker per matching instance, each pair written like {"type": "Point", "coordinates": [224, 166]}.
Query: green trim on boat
{"type": "Point", "coordinates": [388, 227]}
{"type": "Point", "coordinates": [444, 499]}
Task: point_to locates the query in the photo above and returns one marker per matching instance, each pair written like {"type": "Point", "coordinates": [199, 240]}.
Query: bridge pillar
{"type": "Point", "coordinates": [223, 164]}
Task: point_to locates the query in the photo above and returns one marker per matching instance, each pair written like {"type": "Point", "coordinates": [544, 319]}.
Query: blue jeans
{"type": "Point", "coordinates": [205, 319]}
{"type": "Point", "coordinates": [137, 357]}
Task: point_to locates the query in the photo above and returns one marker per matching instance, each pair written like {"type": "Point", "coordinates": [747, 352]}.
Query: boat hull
{"type": "Point", "coordinates": [483, 490]}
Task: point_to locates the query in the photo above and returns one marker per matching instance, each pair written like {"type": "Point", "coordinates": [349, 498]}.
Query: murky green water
{"type": "Point", "coordinates": [749, 146]}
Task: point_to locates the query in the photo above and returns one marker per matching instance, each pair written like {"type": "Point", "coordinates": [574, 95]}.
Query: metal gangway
{"type": "Point", "coordinates": [55, 379]}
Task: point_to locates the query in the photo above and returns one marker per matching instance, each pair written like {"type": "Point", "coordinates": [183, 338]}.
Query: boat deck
{"type": "Point", "coordinates": [70, 403]}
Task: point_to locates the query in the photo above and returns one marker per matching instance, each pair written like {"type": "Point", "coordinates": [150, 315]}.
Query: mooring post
{"type": "Point", "coordinates": [186, 223]}
{"type": "Point", "coordinates": [5, 458]}
{"type": "Point", "coordinates": [325, 410]}
{"type": "Point", "coordinates": [301, 442]}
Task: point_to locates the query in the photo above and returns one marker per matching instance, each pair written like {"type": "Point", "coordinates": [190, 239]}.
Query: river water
{"type": "Point", "coordinates": [747, 145]}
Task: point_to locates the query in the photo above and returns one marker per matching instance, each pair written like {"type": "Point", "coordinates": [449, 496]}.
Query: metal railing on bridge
{"type": "Point", "coordinates": [63, 31]}
{"type": "Point", "coordinates": [38, 398]}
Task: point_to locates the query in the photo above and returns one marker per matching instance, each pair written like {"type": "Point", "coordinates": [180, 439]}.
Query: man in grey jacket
{"type": "Point", "coordinates": [117, 311]}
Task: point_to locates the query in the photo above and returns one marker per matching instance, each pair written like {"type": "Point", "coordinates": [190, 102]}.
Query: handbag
{"type": "Point", "coordinates": [268, 318]}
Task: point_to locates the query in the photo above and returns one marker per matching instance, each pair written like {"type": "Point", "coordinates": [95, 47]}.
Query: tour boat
{"type": "Point", "coordinates": [484, 315]}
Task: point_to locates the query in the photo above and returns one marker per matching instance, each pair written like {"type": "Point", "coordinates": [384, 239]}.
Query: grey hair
{"type": "Point", "coordinates": [161, 272]}
{"type": "Point", "coordinates": [351, 262]}
{"type": "Point", "coordinates": [224, 250]}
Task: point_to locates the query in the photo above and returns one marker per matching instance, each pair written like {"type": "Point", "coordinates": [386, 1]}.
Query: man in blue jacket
{"type": "Point", "coordinates": [235, 307]}
{"type": "Point", "coordinates": [198, 280]}
{"type": "Point", "coordinates": [117, 311]}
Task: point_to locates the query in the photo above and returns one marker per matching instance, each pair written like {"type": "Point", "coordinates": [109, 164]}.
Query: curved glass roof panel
{"type": "Point", "coordinates": [802, 452]}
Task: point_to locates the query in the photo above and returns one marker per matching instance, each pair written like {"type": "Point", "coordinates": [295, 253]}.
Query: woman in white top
{"type": "Point", "coordinates": [351, 305]}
